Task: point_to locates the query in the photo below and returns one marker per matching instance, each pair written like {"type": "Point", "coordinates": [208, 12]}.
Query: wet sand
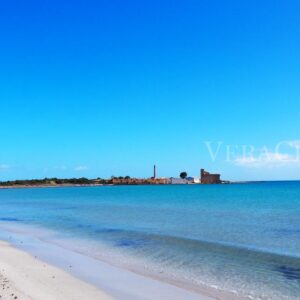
{"type": "Point", "coordinates": [25, 277]}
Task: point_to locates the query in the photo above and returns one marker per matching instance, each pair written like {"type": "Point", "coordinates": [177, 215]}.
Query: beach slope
{"type": "Point", "coordinates": [23, 276]}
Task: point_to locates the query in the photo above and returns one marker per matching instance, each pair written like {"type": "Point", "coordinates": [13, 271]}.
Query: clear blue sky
{"type": "Point", "coordinates": [101, 88]}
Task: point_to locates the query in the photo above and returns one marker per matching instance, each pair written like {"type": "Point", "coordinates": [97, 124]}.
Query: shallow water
{"type": "Point", "coordinates": [241, 238]}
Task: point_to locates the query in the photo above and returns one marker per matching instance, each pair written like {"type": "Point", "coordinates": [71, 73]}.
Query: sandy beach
{"type": "Point", "coordinates": [31, 268]}
{"type": "Point", "coordinates": [23, 276]}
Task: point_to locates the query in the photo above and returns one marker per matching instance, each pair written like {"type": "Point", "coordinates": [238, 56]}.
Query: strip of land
{"type": "Point", "coordinates": [205, 178]}
{"type": "Point", "coordinates": [25, 277]}
{"type": "Point", "coordinates": [24, 186]}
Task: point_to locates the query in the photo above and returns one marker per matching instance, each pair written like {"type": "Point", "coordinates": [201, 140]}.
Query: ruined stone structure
{"type": "Point", "coordinates": [207, 178]}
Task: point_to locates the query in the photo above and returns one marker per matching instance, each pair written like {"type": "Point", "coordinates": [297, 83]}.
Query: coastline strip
{"type": "Point", "coordinates": [115, 281]}
{"type": "Point", "coordinates": [25, 277]}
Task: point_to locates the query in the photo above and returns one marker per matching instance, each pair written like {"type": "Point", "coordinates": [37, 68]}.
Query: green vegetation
{"type": "Point", "coordinates": [183, 175]}
{"type": "Point", "coordinates": [55, 181]}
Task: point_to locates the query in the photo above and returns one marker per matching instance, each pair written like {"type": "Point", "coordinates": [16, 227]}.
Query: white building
{"type": "Point", "coordinates": [174, 180]}
{"type": "Point", "coordinates": [197, 180]}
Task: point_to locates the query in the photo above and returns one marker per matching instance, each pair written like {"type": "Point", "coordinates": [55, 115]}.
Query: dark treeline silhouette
{"type": "Point", "coordinates": [55, 181]}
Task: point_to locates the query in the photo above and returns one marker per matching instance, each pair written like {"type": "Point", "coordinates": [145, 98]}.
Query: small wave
{"type": "Point", "coordinates": [290, 273]}
{"type": "Point", "coordinates": [170, 240]}
{"type": "Point", "coordinates": [135, 243]}
{"type": "Point", "coordinates": [10, 219]}
{"type": "Point", "coordinates": [199, 262]}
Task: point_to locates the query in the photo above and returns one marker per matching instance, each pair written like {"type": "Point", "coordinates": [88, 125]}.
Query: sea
{"type": "Point", "coordinates": [238, 239]}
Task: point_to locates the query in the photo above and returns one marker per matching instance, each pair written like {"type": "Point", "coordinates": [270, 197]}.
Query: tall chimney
{"type": "Point", "coordinates": [201, 173]}
{"type": "Point", "coordinates": [154, 171]}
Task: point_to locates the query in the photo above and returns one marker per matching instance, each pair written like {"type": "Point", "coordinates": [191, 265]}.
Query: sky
{"type": "Point", "coordinates": [101, 88]}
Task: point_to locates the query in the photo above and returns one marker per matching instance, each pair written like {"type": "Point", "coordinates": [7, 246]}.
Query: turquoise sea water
{"type": "Point", "coordinates": [240, 238]}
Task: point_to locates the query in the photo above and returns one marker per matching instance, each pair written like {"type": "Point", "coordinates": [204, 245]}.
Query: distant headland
{"type": "Point", "coordinates": [205, 178]}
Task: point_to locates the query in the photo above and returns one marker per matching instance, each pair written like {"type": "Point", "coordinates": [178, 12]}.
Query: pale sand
{"type": "Point", "coordinates": [25, 277]}
{"type": "Point", "coordinates": [117, 282]}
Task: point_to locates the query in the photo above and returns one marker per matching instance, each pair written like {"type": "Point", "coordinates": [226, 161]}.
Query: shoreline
{"type": "Point", "coordinates": [105, 184]}
{"type": "Point", "coordinates": [131, 242]}
{"type": "Point", "coordinates": [118, 282]}
{"type": "Point", "coordinates": [62, 185]}
{"type": "Point", "coordinates": [51, 186]}
{"type": "Point", "coordinates": [25, 277]}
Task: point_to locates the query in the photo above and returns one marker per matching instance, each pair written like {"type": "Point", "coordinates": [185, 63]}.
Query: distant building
{"type": "Point", "coordinates": [197, 180]}
{"type": "Point", "coordinates": [162, 180]}
{"type": "Point", "coordinates": [190, 180]}
{"type": "Point", "coordinates": [207, 178]}
{"type": "Point", "coordinates": [187, 180]}
{"type": "Point", "coordinates": [174, 180]}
